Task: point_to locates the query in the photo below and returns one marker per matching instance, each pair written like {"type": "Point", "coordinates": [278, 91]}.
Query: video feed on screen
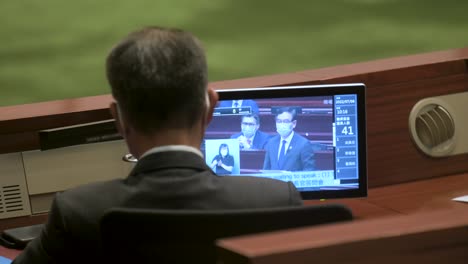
{"type": "Point", "coordinates": [311, 141]}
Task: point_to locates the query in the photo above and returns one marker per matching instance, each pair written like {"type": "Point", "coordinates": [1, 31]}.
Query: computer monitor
{"type": "Point", "coordinates": [325, 156]}
{"type": "Point", "coordinates": [313, 136]}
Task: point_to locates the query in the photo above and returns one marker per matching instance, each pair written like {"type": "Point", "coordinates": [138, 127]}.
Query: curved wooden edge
{"type": "Point", "coordinates": [9, 253]}
{"type": "Point", "coordinates": [19, 222]}
{"type": "Point", "coordinates": [55, 108]}
{"type": "Point", "coordinates": [12, 118]}
{"type": "Point", "coordinates": [23, 221]}
{"type": "Point", "coordinates": [390, 238]}
{"type": "Point", "coordinates": [341, 72]}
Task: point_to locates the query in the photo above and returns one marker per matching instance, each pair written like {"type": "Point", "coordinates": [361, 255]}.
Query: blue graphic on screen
{"type": "Point", "coordinates": [346, 137]}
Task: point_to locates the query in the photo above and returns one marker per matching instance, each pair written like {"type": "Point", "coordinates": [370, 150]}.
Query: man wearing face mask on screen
{"type": "Point", "coordinates": [250, 137]}
{"type": "Point", "coordinates": [288, 151]}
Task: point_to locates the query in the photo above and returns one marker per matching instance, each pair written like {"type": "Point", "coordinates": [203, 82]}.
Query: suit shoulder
{"type": "Point", "coordinates": [263, 134]}
{"type": "Point", "coordinates": [87, 195]}
{"type": "Point", "coordinates": [92, 187]}
{"type": "Point", "coordinates": [275, 138]}
{"type": "Point", "coordinates": [236, 135]}
{"type": "Point", "coordinates": [301, 139]}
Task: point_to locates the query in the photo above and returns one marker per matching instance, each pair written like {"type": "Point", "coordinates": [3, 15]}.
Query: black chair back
{"type": "Point", "coordinates": [188, 236]}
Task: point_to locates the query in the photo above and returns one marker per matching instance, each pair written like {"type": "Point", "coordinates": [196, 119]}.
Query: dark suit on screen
{"type": "Point", "coordinates": [260, 139]}
{"type": "Point", "coordinates": [299, 155]}
{"type": "Point", "coordinates": [165, 180]}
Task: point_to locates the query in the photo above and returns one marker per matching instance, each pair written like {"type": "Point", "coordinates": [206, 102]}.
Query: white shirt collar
{"type": "Point", "coordinates": [172, 148]}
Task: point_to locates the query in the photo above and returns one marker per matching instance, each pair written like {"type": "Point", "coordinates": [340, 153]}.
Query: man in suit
{"type": "Point", "coordinates": [288, 150]}
{"type": "Point", "coordinates": [162, 106]}
{"type": "Point", "coordinates": [250, 137]}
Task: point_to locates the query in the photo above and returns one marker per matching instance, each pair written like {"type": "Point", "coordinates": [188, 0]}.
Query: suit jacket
{"type": "Point", "coordinates": [165, 180]}
{"type": "Point", "coordinates": [260, 139]}
{"type": "Point", "coordinates": [299, 155]}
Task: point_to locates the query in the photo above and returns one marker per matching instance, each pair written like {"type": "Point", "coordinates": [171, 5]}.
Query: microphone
{"type": "Point", "coordinates": [439, 125]}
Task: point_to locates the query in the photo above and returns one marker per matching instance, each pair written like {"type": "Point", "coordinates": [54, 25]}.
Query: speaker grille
{"type": "Point", "coordinates": [435, 126]}
{"type": "Point", "coordinates": [10, 199]}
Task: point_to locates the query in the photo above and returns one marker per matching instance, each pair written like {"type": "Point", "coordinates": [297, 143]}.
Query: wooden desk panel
{"type": "Point", "coordinates": [408, 198]}
{"type": "Point", "coordinates": [9, 253]}
{"type": "Point", "coordinates": [378, 72]}
{"type": "Point", "coordinates": [8, 223]}
{"type": "Point", "coordinates": [394, 86]}
{"type": "Point", "coordinates": [420, 235]}
{"type": "Point", "coordinates": [392, 156]}
{"type": "Point", "coordinates": [383, 204]}
{"type": "Point", "coordinates": [431, 237]}
{"type": "Point", "coordinates": [421, 196]}
{"type": "Point", "coordinates": [362, 209]}
{"type": "Point", "coordinates": [37, 116]}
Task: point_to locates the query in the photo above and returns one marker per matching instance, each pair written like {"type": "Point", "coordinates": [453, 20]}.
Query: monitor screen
{"type": "Point", "coordinates": [313, 136]}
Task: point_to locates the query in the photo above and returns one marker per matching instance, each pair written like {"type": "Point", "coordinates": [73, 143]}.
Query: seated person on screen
{"type": "Point", "coordinates": [241, 103]}
{"type": "Point", "coordinates": [223, 163]}
{"type": "Point", "coordinates": [288, 150]}
{"type": "Point", "coordinates": [250, 137]}
{"type": "Point", "coordinates": [158, 78]}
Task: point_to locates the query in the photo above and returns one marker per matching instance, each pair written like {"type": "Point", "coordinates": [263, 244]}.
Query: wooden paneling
{"type": "Point", "coordinates": [361, 208]}
{"type": "Point", "coordinates": [394, 86]}
{"type": "Point", "coordinates": [22, 221]}
{"type": "Point", "coordinates": [19, 124]}
{"type": "Point", "coordinates": [408, 198]}
{"type": "Point", "coordinates": [392, 156]}
{"type": "Point", "coordinates": [19, 141]}
{"type": "Point", "coordinates": [54, 113]}
{"type": "Point", "coordinates": [401, 239]}
{"type": "Point", "coordinates": [422, 196]}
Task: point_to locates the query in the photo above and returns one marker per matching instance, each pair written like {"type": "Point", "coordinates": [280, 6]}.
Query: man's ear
{"type": "Point", "coordinates": [117, 115]}
{"type": "Point", "coordinates": [211, 103]}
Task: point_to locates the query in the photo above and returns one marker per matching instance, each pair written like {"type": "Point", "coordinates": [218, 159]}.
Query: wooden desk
{"type": "Point", "coordinates": [422, 196]}
{"type": "Point", "coordinates": [408, 198]}
{"type": "Point", "coordinates": [430, 237]}
{"type": "Point", "coordinates": [411, 222]}
{"type": "Point", "coordinates": [9, 253]}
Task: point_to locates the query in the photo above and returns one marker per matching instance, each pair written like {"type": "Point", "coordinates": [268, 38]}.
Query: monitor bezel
{"type": "Point", "coordinates": [317, 90]}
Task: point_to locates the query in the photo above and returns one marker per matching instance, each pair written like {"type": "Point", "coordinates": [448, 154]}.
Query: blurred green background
{"type": "Point", "coordinates": [55, 49]}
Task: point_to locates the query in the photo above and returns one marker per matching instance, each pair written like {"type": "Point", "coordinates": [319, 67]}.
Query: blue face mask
{"type": "Point", "coordinates": [248, 131]}
{"type": "Point", "coordinates": [284, 129]}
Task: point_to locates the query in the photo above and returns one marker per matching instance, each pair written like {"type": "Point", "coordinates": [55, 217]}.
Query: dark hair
{"type": "Point", "coordinates": [291, 110]}
{"type": "Point", "coordinates": [256, 117]}
{"type": "Point", "coordinates": [223, 145]}
{"type": "Point", "coordinates": [159, 78]}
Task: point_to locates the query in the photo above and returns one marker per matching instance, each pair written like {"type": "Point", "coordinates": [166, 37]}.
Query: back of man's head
{"type": "Point", "coordinates": [158, 77]}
